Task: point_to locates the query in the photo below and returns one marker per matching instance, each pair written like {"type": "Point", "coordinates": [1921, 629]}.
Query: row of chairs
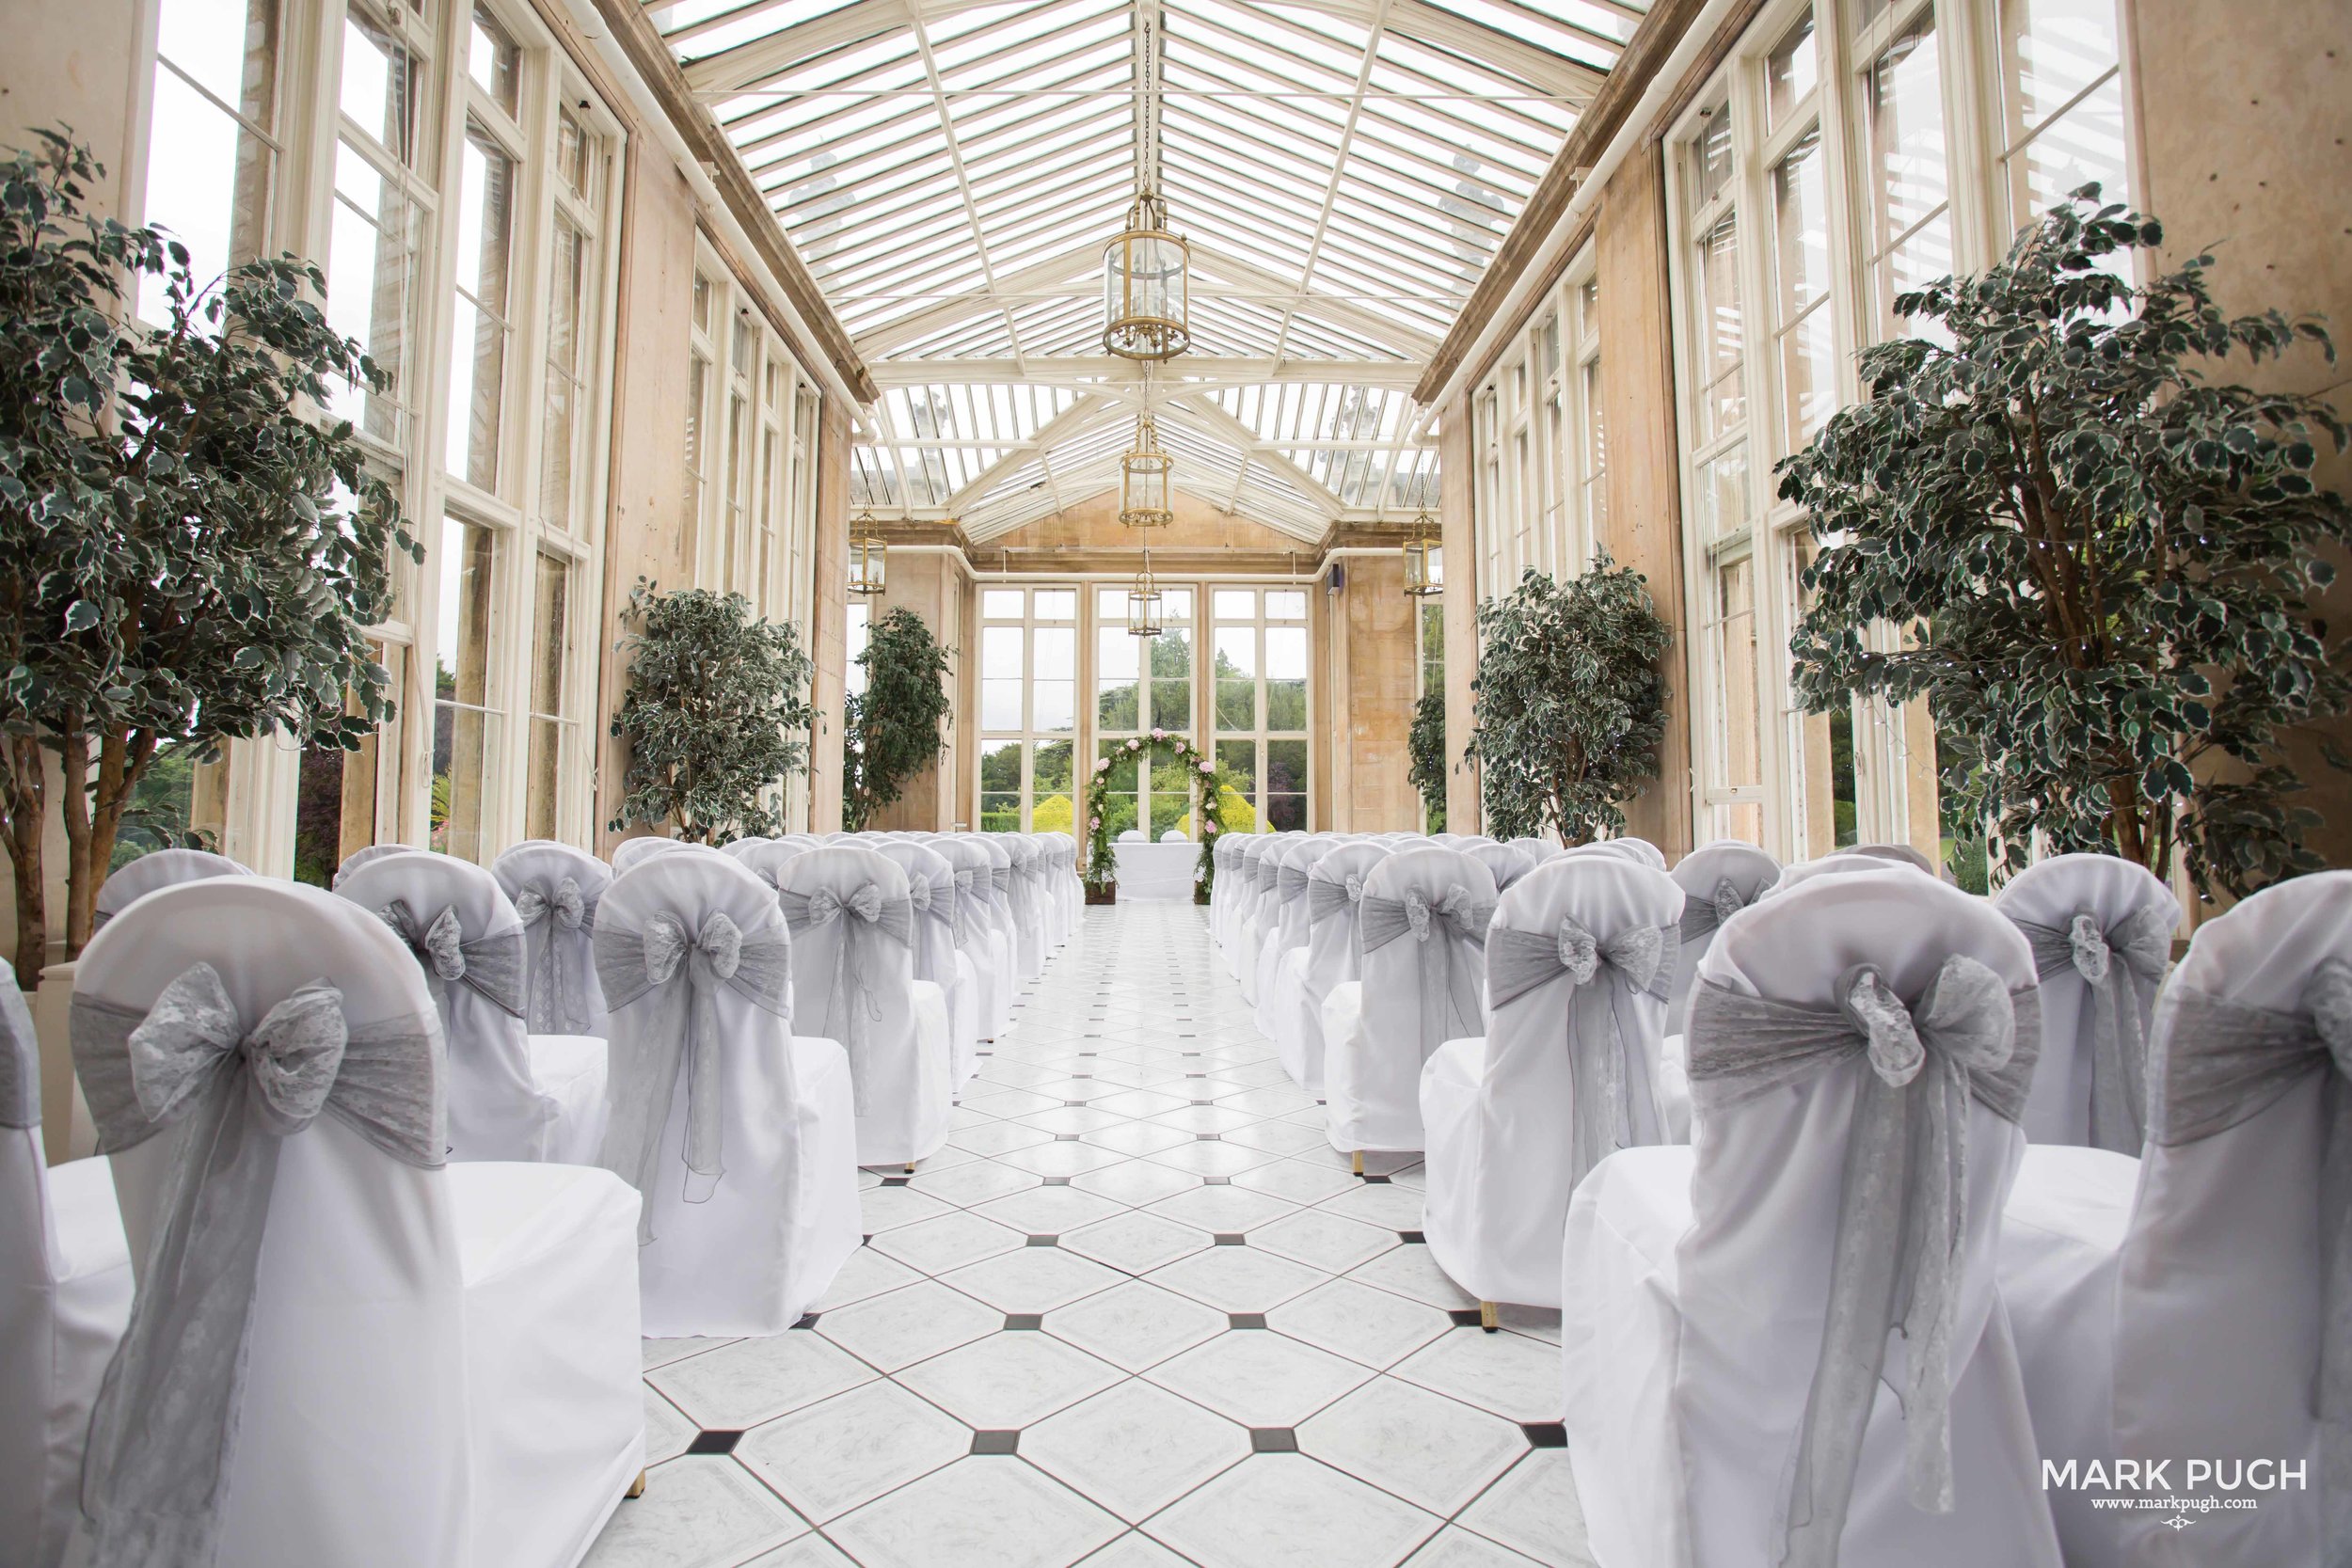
{"type": "Point", "coordinates": [357, 1288]}
{"type": "Point", "coordinates": [1722, 1118]}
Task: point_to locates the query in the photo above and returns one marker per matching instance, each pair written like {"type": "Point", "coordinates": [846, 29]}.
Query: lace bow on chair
{"type": "Point", "coordinates": [1454, 921]}
{"type": "Point", "coordinates": [1902, 1210]}
{"type": "Point", "coordinates": [491, 964]}
{"type": "Point", "coordinates": [561, 908]}
{"type": "Point", "coordinates": [2122, 966]}
{"type": "Point", "coordinates": [868, 920]}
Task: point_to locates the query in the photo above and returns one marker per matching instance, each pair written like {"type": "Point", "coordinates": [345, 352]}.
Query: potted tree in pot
{"type": "Point", "coordinates": [196, 548]}
{"type": "Point", "coordinates": [2102, 563]}
{"type": "Point", "coordinates": [1570, 702]}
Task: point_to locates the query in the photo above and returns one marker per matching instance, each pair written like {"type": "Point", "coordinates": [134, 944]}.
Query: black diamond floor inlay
{"type": "Point", "coordinates": [1410, 1235]}
{"type": "Point", "coordinates": [995, 1442]}
{"type": "Point", "coordinates": [1216, 1181]}
{"type": "Point", "coordinates": [1018, 1322]}
{"type": "Point", "coordinates": [714, 1442]}
{"type": "Point", "coordinates": [1273, 1440]}
{"type": "Point", "coordinates": [1231, 1238]}
{"type": "Point", "coordinates": [1246, 1319]}
{"type": "Point", "coordinates": [1065, 1137]}
{"type": "Point", "coordinates": [1045, 1241]}
{"type": "Point", "coordinates": [895, 1181]}
{"type": "Point", "coordinates": [808, 1320]}
{"type": "Point", "coordinates": [1545, 1435]}
{"type": "Point", "coordinates": [1377, 1181]}
{"type": "Point", "coordinates": [1058, 1181]}
{"type": "Point", "coordinates": [1464, 1317]}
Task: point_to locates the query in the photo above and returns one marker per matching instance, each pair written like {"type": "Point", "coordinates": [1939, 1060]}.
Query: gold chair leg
{"type": "Point", "coordinates": [1359, 1162]}
{"type": "Point", "coordinates": [1486, 1317]}
{"type": "Point", "coordinates": [909, 1167]}
{"type": "Point", "coordinates": [637, 1487]}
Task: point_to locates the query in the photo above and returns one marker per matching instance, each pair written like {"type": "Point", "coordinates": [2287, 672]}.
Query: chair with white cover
{"type": "Point", "coordinates": [1538, 849]}
{"type": "Point", "coordinates": [1839, 863]}
{"type": "Point", "coordinates": [1264, 861]}
{"type": "Point", "coordinates": [979, 937]}
{"type": "Point", "coordinates": [1019, 891]}
{"type": "Point", "coordinates": [1717, 880]}
{"type": "Point", "coordinates": [1045, 892]}
{"type": "Point", "coordinates": [1421, 936]}
{"type": "Point", "coordinates": [555, 887]}
{"type": "Point", "coordinates": [513, 1095]}
{"type": "Point", "coordinates": [1785, 1343]}
{"type": "Point", "coordinates": [853, 982]}
{"type": "Point", "coordinates": [154, 869]}
{"type": "Point", "coordinates": [1224, 861]}
{"type": "Point", "coordinates": [1285, 932]}
{"type": "Point", "coordinates": [1505, 862]}
{"type": "Point", "coordinates": [2210, 1299]}
{"type": "Point", "coordinates": [1335, 888]}
{"type": "Point", "coordinates": [734, 1126]}
{"type": "Point", "coordinates": [341, 1350]}
{"type": "Point", "coordinates": [932, 891]}
{"type": "Point", "coordinates": [68, 1296]}
{"type": "Point", "coordinates": [1901, 853]}
{"type": "Point", "coordinates": [1133, 835]}
{"type": "Point", "coordinates": [631, 852]}
{"type": "Point", "coordinates": [1068, 898]}
{"type": "Point", "coordinates": [1577, 961]}
{"type": "Point", "coordinates": [1175, 835]}
{"type": "Point", "coordinates": [2101, 928]}
{"type": "Point", "coordinates": [362, 856]}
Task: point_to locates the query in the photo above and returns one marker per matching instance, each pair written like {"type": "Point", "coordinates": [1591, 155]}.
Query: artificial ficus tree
{"type": "Point", "coordinates": [195, 548]}
{"type": "Point", "coordinates": [1569, 703]}
{"type": "Point", "coordinates": [1426, 744]}
{"type": "Point", "coordinates": [896, 726]}
{"type": "Point", "coordinates": [716, 715]}
{"type": "Point", "coordinates": [2099, 561]}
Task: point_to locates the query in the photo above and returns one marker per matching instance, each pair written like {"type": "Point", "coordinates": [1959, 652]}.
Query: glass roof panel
{"type": "Point", "coordinates": [950, 172]}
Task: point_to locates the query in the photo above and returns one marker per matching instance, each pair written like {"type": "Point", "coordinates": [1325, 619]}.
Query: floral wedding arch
{"type": "Point", "coordinates": [1209, 786]}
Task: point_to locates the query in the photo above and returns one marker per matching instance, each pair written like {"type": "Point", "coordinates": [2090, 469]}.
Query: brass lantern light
{"type": "Point", "coordinates": [1143, 602]}
{"type": "Point", "coordinates": [1147, 286]}
{"type": "Point", "coordinates": [1424, 559]}
{"type": "Point", "coordinates": [1144, 479]}
{"type": "Point", "coordinates": [868, 567]}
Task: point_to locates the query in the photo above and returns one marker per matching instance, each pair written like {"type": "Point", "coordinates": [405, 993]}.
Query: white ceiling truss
{"type": "Point", "coordinates": [950, 169]}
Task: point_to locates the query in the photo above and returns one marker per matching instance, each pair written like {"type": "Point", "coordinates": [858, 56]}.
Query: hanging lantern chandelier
{"type": "Point", "coordinates": [1145, 499]}
{"type": "Point", "coordinates": [1143, 602]}
{"type": "Point", "coordinates": [1147, 285]}
{"type": "Point", "coordinates": [868, 569]}
{"type": "Point", "coordinates": [1424, 559]}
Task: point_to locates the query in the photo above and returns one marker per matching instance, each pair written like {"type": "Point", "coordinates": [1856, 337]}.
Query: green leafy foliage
{"type": "Point", "coordinates": [716, 715]}
{"type": "Point", "coordinates": [195, 548]}
{"type": "Point", "coordinates": [1213, 793]}
{"type": "Point", "coordinates": [1425, 741]}
{"type": "Point", "coordinates": [1570, 703]}
{"type": "Point", "coordinates": [897, 725]}
{"type": "Point", "coordinates": [2100, 563]}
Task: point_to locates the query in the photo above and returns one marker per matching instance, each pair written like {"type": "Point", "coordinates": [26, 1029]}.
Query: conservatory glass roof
{"type": "Point", "coordinates": [950, 172]}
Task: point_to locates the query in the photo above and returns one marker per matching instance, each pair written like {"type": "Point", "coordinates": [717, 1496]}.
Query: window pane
{"type": "Point", "coordinates": [1000, 652]}
{"type": "Point", "coordinates": [379, 85]}
{"type": "Point", "coordinates": [563, 423]}
{"type": "Point", "coordinates": [1054, 653]}
{"type": "Point", "coordinates": [370, 260]}
{"type": "Point", "coordinates": [1789, 73]}
{"type": "Point", "coordinates": [1056, 604]}
{"type": "Point", "coordinates": [551, 659]}
{"type": "Point", "coordinates": [1286, 814]}
{"type": "Point", "coordinates": [496, 61]}
{"type": "Point", "coordinates": [1714, 155]}
{"type": "Point", "coordinates": [1723, 401]}
{"type": "Point", "coordinates": [1001, 604]}
{"type": "Point", "coordinates": [1236, 652]}
{"type": "Point", "coordinates": [1800, 232]}
{"type": "Point", "coordinates": [1285, 704]}
{"type": "Point", "coordinates": [478, 360]}
{"type": "Point", "coordinates": [461, 684]}
{"type": "Point", "coordinates": [208, 173]}
{"type": "Point", "coordinates": [1285, 605]}
{"type": "Point", "coordinates": [1739, 762]}
{"type": "Point", "coordinates": [1052, 705]}
{"type": "Point", "coordinates": [1239, 604]}
{"type": "Point", "coordinates": [1000, 786]}
{"type": "Point", "coordinates": [1285, 766]}
{"type": "Point", "coordinates": [1286, 653]}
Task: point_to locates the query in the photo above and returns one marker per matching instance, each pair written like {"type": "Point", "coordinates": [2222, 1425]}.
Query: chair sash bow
{"type": "Point", "coordinates": [1902, 1208]}
{"type": "Point", "coordinates": [165, 1427]}
{"type": "Point", "coordinates": [549, 917]}
{"type": "Point", "coordinates": [1456, 920]}
{"type": "Point", "coordinates": [2121, 967]}
{"type": "Point", "coordinates": [683, 973]}
{"type": "Point", "coordinates": [1327, 896]}
{"type": "Point", "coordinates": [1701, 915]}
{"type": "Point", "coordinates": [491, 964]}
{"type": "Point", "coordinates": [868, 920]}
{"type": "Point", "coordinates": [2225, 1063]}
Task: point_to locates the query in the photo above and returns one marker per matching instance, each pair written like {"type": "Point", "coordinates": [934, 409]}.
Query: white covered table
{"type": "Point", "coordinates": [1157, 870]}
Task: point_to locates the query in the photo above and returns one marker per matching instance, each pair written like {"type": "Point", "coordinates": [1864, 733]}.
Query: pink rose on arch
{"type": "Point", "coordinates": [1094, 821]}
{"type": "Point", "coordinates": [1102, 763]}
{"type": "Point", "coordinates": [1159, 734]}
{"type": "Point", "coordinates": [1208, 829]}
{"type": "Point", "coordinates": [1134, 745]}
{"type": "Point", "coordinates": [1207, 767]}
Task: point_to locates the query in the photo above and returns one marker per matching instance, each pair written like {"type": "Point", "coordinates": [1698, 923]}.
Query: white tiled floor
{"type": "Point", "coordinates": [1132, 1186]}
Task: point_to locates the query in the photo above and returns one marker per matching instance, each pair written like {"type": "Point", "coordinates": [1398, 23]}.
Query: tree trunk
{"type": "Point", "coordinates": [27, 812]}
{"type": "Point", "coordinates": [81, 884]}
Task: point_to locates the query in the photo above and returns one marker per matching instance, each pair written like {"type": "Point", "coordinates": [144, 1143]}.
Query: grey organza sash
{"type": "Point", "coordinates": [1449, 936]}
{"type": "Point", "coordinates": [2122, 966]}
{"type": "Point", "coordinates": [1701, 916]}
{"type": "Point", "coordinates": [1605, 1050]}
{"type": "Point", "coordinates": [680, 977]}
{"type": "Point", "coordinates": [553, 911]}
{"type": "Point", "coordinates": [491, 963]}
{"type": "Point", "coordinates": [1327, 896]}
{"type": "Point", "coordinates": [165, 1429]}
{"type": "Point", "coordinates": [964, 923]}
{"type": "Point", "coordinates": [1290, 882]}
{"type": "Point", "coordinates": [20, 1060]}
{"type": "Point", "coordinates": [934, 899]}
{"type": "Point", "coordinates": [869, 921]}
{"type": "Point", "coordinates": [2223, 1063]}
{"type": "Point", "coordinates": [1002, 877]}
{"type": "Point", "coordinates": [1902, 1205]}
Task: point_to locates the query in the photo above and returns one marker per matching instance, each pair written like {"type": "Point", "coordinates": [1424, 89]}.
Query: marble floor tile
{"type": "Point", "coordinates": [1135, 1244]}
{"type": "Point", "coordinates": [1034, 1279]}
{"type": "Point", "coordinates": [1007, 1381]}
{"type": "Point", "coordinates": [1418, 1446]}
{"type": "Point", "coordinates": [901, 1327]}
{"type": "Point", "coordinates": [1137, 1325]}
{"type": "Point", "coordinates": [951, 1241]}
{"type": "Point", "coordinates": [1516, 1377]}
{"type": "Point", "coordinates": [975, 1183]}
{"type": "Point", "coordinates": [1287, 1510]}
{"type": "Point", "coordinates": [1049, 1211]}
{"type": "Point", "coordinates": [977, 1513]}
{"type": "Point", "coordinates": [757, 1380]}
{"type": "Point", "coordinates": [1361, 1322]}
{"type": "Point", "coordinates": [1323, 1240]}
{"type": "Point", "coordinates": [1135, 1449]}
{"type": "Point", "coordinates": [1221, 1209]}
{"type": "Point", "coordinates": [1136, 1182]}
{"type": "Point", "coordinates": [1534, 1511]}
{"type": "Point", "coordinates": [1237, 1279]}
{"type": "Point", "coordinates": [1260, 1378]}
{"type": "Point", "coordinates": [846, 1452]}
{"type": "Point", "coordinates": [695, 1513]}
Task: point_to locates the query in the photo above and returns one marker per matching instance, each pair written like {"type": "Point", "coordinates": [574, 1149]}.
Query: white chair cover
{"type": "Point", "coordinates": [1019, 890]}
{"type": "Point", "coordinates": [362, 856]}
{"type": "Point", "coordinates": [64, 1295]}
{"type": "Point", "coordinates": [631, 852]}
{"type": "Point", "coordinates": [513, 1095]}
{"type": "Point", "coordinates": [1505, 862]}
{"type": "Point", "coordinates": [979, 936]}
{"type": "Point", "coordinates": [1901, 853]}
{"type": "Point", "coordinates": [158, 868]}
{"type": "Point", "coordinates": [1225, 855]}
{"type": "Point", "coordinates": [1422, 933]}
{"type": "Point", "coordinates": [1839, 865]}
{"type": "Point", "coordinates": [1536, 849]}
{"type": "Point", "coordinates": [1715, 1416]}
{"type": "Point", "coordinates": [1132, 836]}
{"type": "Point", "coordinates": [1578, 962]}
{"type": "Point", "coordinates": [1285, 931]}
{"type": "Point", "coordinates": [932, 890]}
{"type": "Point", "coordinates": [414, 1363]}
{"type": "Point", "coordinates": [555, 887]}
{"type": "Point", "coordinates": [738, 1132]}
{"type": "Point", "coordinates": [2100, 930]}
{"type": "Point", "coordinates": [1717, 880]}
{"type": "Point", "coordinates": [853, 982]}
{"type": "Point", "coordinates": [1335, 886]}
{"type": "Point", "coordinates": [1175, 835]}
{"type": "Point", "coordinates": [1260, 859]}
